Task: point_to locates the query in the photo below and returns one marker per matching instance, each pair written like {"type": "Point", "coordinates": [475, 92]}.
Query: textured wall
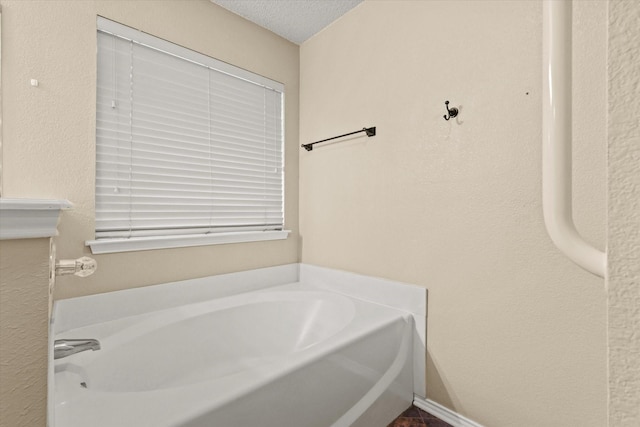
{"type": "Point", "coordinates": [516, 332]}
{"type": "Point", "coordinates": [623, 280]}
{"type": "Point", "coordinates": [49, 131]}
{"type": "Point", "coordinates": [24, 317]}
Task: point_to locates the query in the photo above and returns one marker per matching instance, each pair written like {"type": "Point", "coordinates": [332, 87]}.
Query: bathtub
{"type": "Point", "coordinates": [293, 354]}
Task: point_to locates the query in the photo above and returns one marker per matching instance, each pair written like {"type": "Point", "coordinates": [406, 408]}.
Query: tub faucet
{"type": "Point", "coordinates": [64, 348]}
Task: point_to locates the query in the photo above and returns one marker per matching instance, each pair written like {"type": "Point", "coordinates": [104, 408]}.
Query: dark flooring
{"type": "Point", "coordinates": [416, 417]}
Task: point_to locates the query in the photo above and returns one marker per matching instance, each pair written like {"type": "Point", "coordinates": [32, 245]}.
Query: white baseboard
{"type": "Point", "coordinates": [445, 414]}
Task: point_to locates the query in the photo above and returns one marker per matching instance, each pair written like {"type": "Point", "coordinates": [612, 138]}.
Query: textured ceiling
{"type": "Point", "coordinates": [295, 20]}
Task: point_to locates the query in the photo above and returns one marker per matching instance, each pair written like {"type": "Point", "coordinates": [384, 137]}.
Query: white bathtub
{"type": "Point", "coordinates": [286, 355]}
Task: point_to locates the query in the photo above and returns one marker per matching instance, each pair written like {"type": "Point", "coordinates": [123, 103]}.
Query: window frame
{"type": "Point", "coordinates": [138, 243]}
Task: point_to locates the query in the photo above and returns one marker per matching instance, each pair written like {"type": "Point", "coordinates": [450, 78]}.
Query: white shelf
{"type": "Point", "coordinates": [30, 218]}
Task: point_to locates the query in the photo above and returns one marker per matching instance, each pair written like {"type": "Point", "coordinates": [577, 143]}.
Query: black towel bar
{"type": "Point", "coordinates": [370, 132]}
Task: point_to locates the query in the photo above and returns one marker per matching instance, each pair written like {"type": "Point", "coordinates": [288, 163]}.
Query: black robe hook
{"type": "Point", "coordinates": [451, 111]}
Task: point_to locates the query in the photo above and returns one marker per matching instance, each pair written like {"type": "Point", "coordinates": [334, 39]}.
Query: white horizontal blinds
{"type": "Point", "coordinates": [183, 148]}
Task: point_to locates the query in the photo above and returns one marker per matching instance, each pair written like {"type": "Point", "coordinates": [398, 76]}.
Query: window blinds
{"type": "Point", "coordinates": [186, 144]}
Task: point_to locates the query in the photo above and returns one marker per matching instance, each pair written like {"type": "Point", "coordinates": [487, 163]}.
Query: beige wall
{"type": "Point", "coordinates": [516, 332]}
{"type": "Point", "coordinates": [24, 319]}
{"type": "Point", "coordinates": [49, 131]}
{"type": "Point", "coordinates": [623, 277]}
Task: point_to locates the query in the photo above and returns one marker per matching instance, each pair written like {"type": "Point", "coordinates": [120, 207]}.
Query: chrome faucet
{"type": "Point", "coordinates": [64, 348]}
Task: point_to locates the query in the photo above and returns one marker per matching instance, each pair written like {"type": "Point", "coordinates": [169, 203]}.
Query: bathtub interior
{"type": "Point", "coordinates": [280, 344]}
{"type": "Point", "coordinates": [254, 333]}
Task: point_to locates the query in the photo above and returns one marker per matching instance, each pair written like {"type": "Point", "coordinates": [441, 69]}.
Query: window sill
{"type": "Point", "coordinates": [107, 246]}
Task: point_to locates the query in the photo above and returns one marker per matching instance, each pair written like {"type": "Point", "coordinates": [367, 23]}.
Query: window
{"type": "Point", "coordinates": [189, 149]}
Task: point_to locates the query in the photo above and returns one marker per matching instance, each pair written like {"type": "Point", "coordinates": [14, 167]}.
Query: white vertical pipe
{"type": "Point", "coordinates": [556, 139]}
